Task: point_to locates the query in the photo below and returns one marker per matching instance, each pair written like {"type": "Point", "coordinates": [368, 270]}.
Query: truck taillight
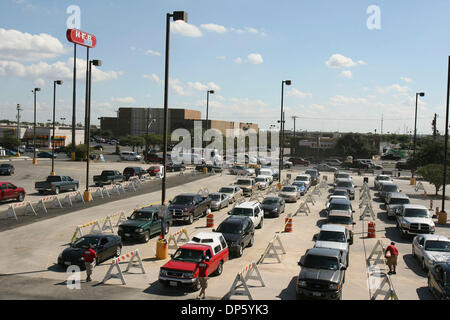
{"type": "Point", "coordinates": [51, 185]}
{"type": "Point", "coordinates": [134, 173]}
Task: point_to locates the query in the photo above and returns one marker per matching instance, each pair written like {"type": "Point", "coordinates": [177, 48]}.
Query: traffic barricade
{"type": "Point", "coordinates": [240, 286]}
{"type": "Point", "coordinates": [135, 261]}
{"type": "Point", "coordinates": [303, 208]}
{"type": "Point", "coordinates": [177, 237]}
{"type": "Point", "coordinates": [67, 200]}
{"type": "Point", "coordinates": [368, 212]}
{"type": "Point", "coordinates": [273, 250]}
{"type": "Point", "coordinates": [76, 196]}
{"type": "Point", "coordinates": [310, 199]}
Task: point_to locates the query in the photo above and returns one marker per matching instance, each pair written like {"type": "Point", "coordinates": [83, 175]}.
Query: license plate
{"type": "Point", "coordinates": [127, 234]}
{"type": "Point", "coordinates": [173, 283]}
{"type": "Point", "coordinates": [317, 294]}
{"type": "Point", "coordinates": [67, 263]}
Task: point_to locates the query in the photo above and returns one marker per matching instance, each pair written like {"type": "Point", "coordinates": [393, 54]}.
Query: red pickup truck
{"type": "Point", "coordinates": [9, 191]}
{"type": "Point", "coordinates": [182, 269]}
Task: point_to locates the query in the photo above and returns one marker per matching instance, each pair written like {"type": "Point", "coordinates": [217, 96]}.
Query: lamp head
{"type": "Point", "coordinates": [97, 63]}
{"type": "Point", "coordinates": [59, 82]}
{"type": "Point", "coordinates": [211, 91]}
{"type": "Point", "coordinates": [37, 89]}
{"type": "Point", "coordinates": [287, 82]}
{"type": "Point", "coordinates": [422, 94]}
{"type": "Point", "coordinates": [180, 15]}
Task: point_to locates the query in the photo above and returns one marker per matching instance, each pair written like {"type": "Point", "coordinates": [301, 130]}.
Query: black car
{"type": "Point", "coordinates": [172, 167]}
{"type": "Point", "coordinates": [439, 280]}
{"type": "Point", "coordinates": [105, 245]}
{"type": "Point", "coordinates": [402, 165]}
{"type": "Point", "coordinates": [390, 156]}
{"type": "Point", "coordinates": [6, 169]}
{"type": "Point", "coordinates": [273, 206]}
{"type": "Point", "coordinates": [129, 172]}
{"type": "Point", "coordinates": [239, 233]}
{"type": "Point", "coordinates": [210, 168]}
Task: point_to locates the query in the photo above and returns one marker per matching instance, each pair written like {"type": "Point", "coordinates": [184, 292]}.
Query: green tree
{"type": "Point", "coordinates": [355, 145]}
{"type": "Point", "coordinates": [428, 151]}
{"type": "Point", "coordinates": [434, 173]}
{"type": "Point", "coordinates": [10, 142]}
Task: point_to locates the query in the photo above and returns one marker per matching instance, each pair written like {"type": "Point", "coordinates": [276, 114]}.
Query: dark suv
{"type": "Point", "coordinates": [322, 274]}
{"type": "Point", "coordinates": [129, 172]}
{"type": "Point", "coordinates": [239, 233]}
{"type": "Point", "coordinates": [273, 206]}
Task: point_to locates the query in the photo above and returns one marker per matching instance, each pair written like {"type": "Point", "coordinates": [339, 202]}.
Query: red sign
{"type": "Point", "coordinates": [82, 38]}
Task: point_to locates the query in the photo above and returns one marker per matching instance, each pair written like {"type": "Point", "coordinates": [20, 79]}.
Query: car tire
{"type": "Point", "coordinates": [57, 190]}
{"type": "Point", "coordinates": [219, 269]}
{"type": "Point", "coordinates": [146, 237]}
{"type": "Point", "coordinates": [20, 197]}
{"type": "Point", "coordinates": [196, 286]}
{"type": "Point", "coordinates": [251, 242]}
{"type": "Point", "coordinates": [240, 250]}
{"type": "Point", "coordinates": [191, 218]}
{"type": "Point", "coordinates": [424, 266]}
{"type": "Point", "coordinates": [260, 225]}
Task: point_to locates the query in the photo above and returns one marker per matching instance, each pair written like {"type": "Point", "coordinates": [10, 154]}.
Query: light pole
{"type": "Point", "coordinates": [413, 180]}
{"type": "Point", "coordinates": [18, 129]}
{"type": "Point", "coordinates": [87, 194]}
{"type": "Point", "coordinates": [207, 106]}
{"type": "Point", "coordinates": [56, 82]}
{"type": "Point", "coordinates": [280, 160]}
{"type": "Point", "coordinates": [176, 15]}
{"type": "Point", "coordinates": [445, 148]}
{"type": "Point", "coordinates": [34, 126]}
{"type": "Point", "coordinates": [295, 143]}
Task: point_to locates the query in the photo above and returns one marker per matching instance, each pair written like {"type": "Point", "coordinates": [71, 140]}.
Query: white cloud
{"type": "Point", "coordinates": [340, 100]}
{"type": "Point", "coordinates": [251, 30]}
{"type": "Point", "coordinates": [203, 87]}
{"type": "Point", "coordinates": [153, 77]}
{"type": "Point", "coordinates": [58, 70]}
{"type": "Point", "coordinates": [124, 100]}
{"type": "Point", "coordinates": [133, 48]}
{"type": "Point", "coordinates": [185, 29]}
{"type": "Point", "coordinates": [238, 60]}
{"type": "Point", "coordinates": [362, 62]}
{"type": "Point", "coordinates": [297, 93]}
{"type": "Point", "coordinates": [221, 57]}
{"type": "Point", "coordinates": [153, 53]}
{"type": "Point", "coordinates": [347, 74]}
{"type": "Point", "coordinates": [177, 86]}
{"type": "Point", "coordinates": [255, 58]}
{"type": "Point", "coordinates": [338, 61]}
{"type": "Point", "coordinates": [19, 46]}
{"type": "Point", "coordinates": [395, 87]}
{"type": "Point", "coordinates": [214, 27]}
{"type": "Point", "coordinates": [408, 80]}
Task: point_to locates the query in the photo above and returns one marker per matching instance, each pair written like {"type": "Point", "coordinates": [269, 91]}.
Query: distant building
{"type": "Point", "coordinates": [63, 136]}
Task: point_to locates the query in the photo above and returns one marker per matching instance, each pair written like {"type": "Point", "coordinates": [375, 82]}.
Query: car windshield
{"type": "Point", "coordinates": [384, 179]}
{"type": "Point", "coordinates": [233, 228]}
{"type": "Point", "coordinates": [311, 172]}
{"type": "Point", "coordinates": [260, 179]}
{"type": "Point", "coordinates": [344, 184]}
{"type": "Point", "coordinates": [343, 176]}
{"type": "Point", "coordinates": [288, 189]}
{"type": "Point", "coordinates": [416, 213]}
{"type": "Point", "coordinates": [84, 242]}
{"type": "Point", "coordinates": [299, 184]}
{"type": "Point", "coordinates": [244, 182]}
{"type": "Point", "coordinates": [242, 212]}
{"type": "Point", "coordinates": [3, 165]}
{"type": "Point", "coordinates": [399, 201]}
{"type": "Point", "coordinates": [390, 188]}
{"type": "Point", "coordinates": [215, 197]}
{"type": "Point", "coordinates": [183, 200]}
{"type": "Point", "coordinates": [339, 206]}
{"type": "Point", "coordinates": [339, 220]}
{"type": "Point", "coordinates": [301, 178]}
{"type": "Point", "coordinates": [321, 262]}
{"type": "Point", "coordinates": [142, 215]}
{"type": "Point", "coordinates": [226, 190]}
{"type": "Point", "coordinates": [340, 193]}
{"type": "Point", "coordinates": [188, 255]}
{"type": "Point", "coordinates": [270, 201]}
{"type": "Point", "coordinates": [436, 245]}
{"type": "Point", "coordinates": [333, 236]}
{"type": "Point", "coordinates": [108, 173]}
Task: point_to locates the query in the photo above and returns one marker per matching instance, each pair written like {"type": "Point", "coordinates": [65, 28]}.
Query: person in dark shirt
{"type": "Point", "coordinates": [391, 257]}
{"type": "Point", "coordinates": [203, 276]}
{"type": "Point", "coordinates": [89, 256]}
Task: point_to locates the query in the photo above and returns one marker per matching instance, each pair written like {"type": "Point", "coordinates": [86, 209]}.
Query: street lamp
{"type": "Point", "coordinates": [87, 194]}
{"type": "Point", "coordinates": [18, 129]}
{"type": "Point", "coordinates": [207, 105]}
{"type": "Point", "coordinates": [34, 126]}
{"type": "Point", "coordinates": [280, 160]}
{"type": "Point", "coordinates": [444, 214]}
{"type": "Point", "coordinates": [176, 15]}
{"type": "Point", "coordinates": [413, 180]}
{"type": "Point", "coordinates": [56, 82]}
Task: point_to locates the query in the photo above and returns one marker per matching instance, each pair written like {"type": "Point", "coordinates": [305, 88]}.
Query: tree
{"type": "Point", "coordinates": [433, 173]}
{"type": "Point", "coordinates": [355, 145]}
{"type": "Point", "coordinates": [428, 151]}
{"type": "Point", "coordinates": [10, 142]}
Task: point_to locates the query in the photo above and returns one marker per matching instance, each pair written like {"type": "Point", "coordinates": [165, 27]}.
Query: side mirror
{"type": "Point", "coordinates": [353, 211]}
{"type": "Point", "coordinates": [315, 237]}
{"type": "Point", "coordinates": [170, 201]}
{"type": "Point", "coordinates": [343, 267]}
{"type": "Point", "coordinates": [213, 230]}
{"type": "Point", "coordinates": [128, 218]}
{"type": "Point", "coordinates": [353, 223]}
{"type": "Point", "coordinates": [301, 263]}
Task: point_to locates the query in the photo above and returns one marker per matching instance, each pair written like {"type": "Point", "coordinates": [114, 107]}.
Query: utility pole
{"type": "Point", "coordinates": [18, 128]}
{"type": "Point", "coordinates": [434, 125]}
{"type": "Point", "coordinates": [381, 123]}
{"type": "Point", "coordinates": [295, 143]}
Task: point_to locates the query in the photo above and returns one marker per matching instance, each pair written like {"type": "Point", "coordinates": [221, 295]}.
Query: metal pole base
{"type": "Point", "coordinates": [18, 154]}
{"type": "Point", "coordinates": [87, 196]}
{"type": "Point", "coordinates": [53, 173]}
{"type": "Point", "coordinates": [412, 181]}
{"type": "Point", "coordinates": [34, 161]}
{"type": "Point", "coordinates": [442, 218]}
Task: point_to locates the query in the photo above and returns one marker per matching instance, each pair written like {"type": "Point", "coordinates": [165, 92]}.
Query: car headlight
{"type": "Point", "coordinates": [81, 259]}
{"type": "Point", "coordinates": [275, 210]}
{"type": "Point", "coordinates": [334, 286]}
{"type": "Point", "coordinates": [432, 228]}
{"type": "Point", "coordinates": [301, 283]}
{"type": "Point", "coordinates": [139, 230]}
{"type": "Point", "coordinates": [188, 275]}
{"type": "Point", "coordinates": [431, 262]}
{"type": "Point", "coordinates": [163, 272]}
{"type": "Point", "coordinates": [405, 224]}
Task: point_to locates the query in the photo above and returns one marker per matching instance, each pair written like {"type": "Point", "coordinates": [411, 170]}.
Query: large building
{"type": "Point", "coordinates": [135, 121]}
{"type": "Point", "coordinates": [63, 136]}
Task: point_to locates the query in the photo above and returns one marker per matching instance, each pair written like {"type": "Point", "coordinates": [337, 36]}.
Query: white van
{"type": "Point", "coordinates": [130, 156]}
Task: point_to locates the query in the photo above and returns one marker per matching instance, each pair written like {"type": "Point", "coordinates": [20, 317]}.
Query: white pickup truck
{"type": "Point", "coordinates": [414, 219]}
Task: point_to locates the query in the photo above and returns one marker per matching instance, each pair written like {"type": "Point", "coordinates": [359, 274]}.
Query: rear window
{"type": "Point", "coordinates": [53, 179]}
{"type": "Point", "coordinates": [344, 184]}
{"type": "Point", "coordinates": [390, 188]}
{"type": "Point", "coordinates": [399, 201]}
{"type": "Point", "coordinates": [128, 170]}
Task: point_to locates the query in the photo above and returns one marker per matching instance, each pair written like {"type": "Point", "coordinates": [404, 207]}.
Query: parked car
{"type": "Point", "coordinates": [182, 269]}
{"type": "Point", "coordinates": [299, 161]}
{"type": "Point", "coordinates": [56, 184]}
{"type": "Point", "coordinates": [239, 233]}
{"type": "Point", "coordinates": [430, 249]}
{"type": "Point", "coordinates": [289, 193]}
{"type": "Point", "coordinates": [306, 178]}
{"type": "Point", "coordinates": [129, 172]}
{"type": "Point", "coordinates": [130, 156]}
{"type": "Point", "coordinates": [46, 154]}
{"type": "Point", "coordinates": [234, 192]}
{"type": "Point", "coordinates": [301, 185]}
{"type": "Point", "coordinates": [154, 157]}
{"type": "Point", "coordinates": [322, 274]}
{"type": "Point", "coordinates": [188, 207]}
{"type": "Point", "coordinates": [341, 175]}
{"type": "Point", "coordinates": [439, 281]}
{"type": "Point", "coordinates": [267, 172]}
{"type": "Point", "coordinates": [340, 192]}
{"type": "Point", "coordinates": [273, 206]}
{"type": "Point", "coordinates": [210, 167]}
{"type": "Point", "coordinates": [30, 149]}
{"type": "Point", "coordinates": [379, 178]}
{"type": "Point", "coordinates": [219, 200]}
{"type": "Point", "coordinates": [263, 182]}
{"type": "Point", "coordinates": [172, 167]}
{"type": "Point", "coordinates": [248, 185]}
{"type": "Point", "coordinates": [241, 170]}
{"type": "Point", "coordinates": [108, 177]}
{"type": "Point", "coordinates": [344, 219]}
{"type": "Point", "coordinates": [414, 219]}
{"type": "Point", "coordinates": [340, 205]}
{"type": "Point", "coordinates": [156, 170]}
{"type": "Point", "coordinates": [251, 209]}
{"type": "Point", "coordinates": [334, 237]}
{"type": "Point", "coordinates": [393, 202]}
{"type": "Point", "coordinates": [9, 191]}
{"type": "Point", "coordinates": [390, 156]}
{"type": "Point", "coordinates": [6, 169]}
{"type": "Point", "coordinates": [332, 197]}
{"type": "Point", "coordinates": [105, 245]}
{"type": "Point", "coordinates": [325, 168]}
{"type": "Point", "coordinates": [144, 223]}
{"type": "Point", "coordinates": [346, 184]}
{"type": "Point", "coordinates": [334, 162]}
{"type": "Point", "coordinates": [315, 176]}
{"type": "Point", "coordinates": [387, 188]}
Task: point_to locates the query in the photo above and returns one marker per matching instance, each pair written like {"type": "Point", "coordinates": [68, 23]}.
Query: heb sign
{"type": "Point", "coordinates": [81, 38]}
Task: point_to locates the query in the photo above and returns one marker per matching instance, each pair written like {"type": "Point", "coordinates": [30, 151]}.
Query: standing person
{"type": "Point", "coordinates": [391, 255]}
{"type": "Point", "coordinates": [203, 276]}
{"type": "Point", "coordinates": [89, 256]}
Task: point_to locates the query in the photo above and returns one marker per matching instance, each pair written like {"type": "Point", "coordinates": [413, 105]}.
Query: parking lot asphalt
{"type": "Point", "coordinates": [31, 251]}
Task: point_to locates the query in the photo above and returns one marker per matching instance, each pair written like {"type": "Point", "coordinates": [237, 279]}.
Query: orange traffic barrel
{"type": "Point", "coordinates": [288, 225]}
{"type": "Point", "coordinates": [431, 204]}
{"type": "Point", "coordinates": [371, 230]}
{"type": "Point", "coordinates": [210, 220]}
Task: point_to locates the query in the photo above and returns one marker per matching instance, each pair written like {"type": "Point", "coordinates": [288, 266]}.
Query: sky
{"type": "Point", "coordinates": [351, 62]}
